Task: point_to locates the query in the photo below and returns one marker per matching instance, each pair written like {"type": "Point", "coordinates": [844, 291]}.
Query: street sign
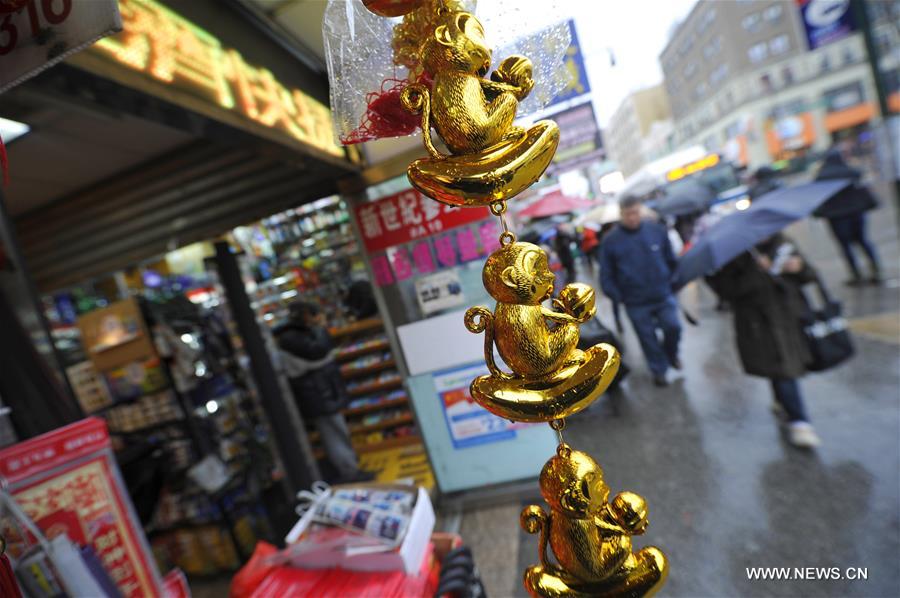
{"type": "Point", "coordinates": [44, 32]}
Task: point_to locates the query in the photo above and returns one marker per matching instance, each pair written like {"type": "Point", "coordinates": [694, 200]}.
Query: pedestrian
{"type": "Point", "coordinates": [590, 247]}
{"type": "Point", "coordinates": [636, 265]}
{"type": "Point", "coordinates": [562, 244]}
{"type": "Point", "coordinates": [764, 289]}
{"type": "Point", "coordinates": [308, 352]}
{"type": "Point", "coordinates": [764, 181]}
{"type": "Point", "coordinates": [846, 214]}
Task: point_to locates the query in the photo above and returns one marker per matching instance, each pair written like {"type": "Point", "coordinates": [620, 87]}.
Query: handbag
{"type": "Point", "coordinates": [826, 333]}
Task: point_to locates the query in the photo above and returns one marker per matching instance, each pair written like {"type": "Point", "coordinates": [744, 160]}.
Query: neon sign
{"type": "Point", "coordinates": [166, 46]}
{"type": "Point", "coordinates": [689, 169]}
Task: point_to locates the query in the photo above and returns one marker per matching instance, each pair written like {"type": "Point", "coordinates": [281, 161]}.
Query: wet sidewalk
{"type": "Point", "coordinates": [726, 491]}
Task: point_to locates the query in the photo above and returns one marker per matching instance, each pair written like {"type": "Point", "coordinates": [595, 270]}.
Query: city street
{"type": "Point", "coordinates": [726, 491]}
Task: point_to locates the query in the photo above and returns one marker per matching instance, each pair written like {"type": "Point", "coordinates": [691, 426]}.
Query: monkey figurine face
{"type": "Point", "coordinates": [518, 273]}
{"type": "Point", "coordinates": [572, 482]}
{"type": "Point", "coordinates": [458, 44]}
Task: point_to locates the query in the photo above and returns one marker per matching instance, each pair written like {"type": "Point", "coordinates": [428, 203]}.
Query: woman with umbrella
{"type": "Point", "coordinates": [764, 286]}
{"type": "Point", "coordinates": [752, 266]}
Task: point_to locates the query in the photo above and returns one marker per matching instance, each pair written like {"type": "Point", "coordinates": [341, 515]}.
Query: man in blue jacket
{"type": "Point", "coordinates": [636, 264]}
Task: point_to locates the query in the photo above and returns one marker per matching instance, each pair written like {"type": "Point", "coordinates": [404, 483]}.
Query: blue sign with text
{"type": "Point", "coordinates": [577, 81]}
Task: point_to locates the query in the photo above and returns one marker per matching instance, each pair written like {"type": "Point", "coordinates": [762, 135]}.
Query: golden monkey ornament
{"type": "Point", "coordinates": [491, 161]}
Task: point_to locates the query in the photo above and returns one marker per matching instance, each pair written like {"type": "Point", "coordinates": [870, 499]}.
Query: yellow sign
{"type": "Point", "coordinates": [171, 49]}
{"type": "Point", "coordinates": [689, 169]}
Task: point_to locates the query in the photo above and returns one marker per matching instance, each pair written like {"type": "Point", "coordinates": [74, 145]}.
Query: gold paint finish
{"type": "Point", "coordinates": [551, 378]}
{"type": "Point", "coordinates": [589, 537]}
{"type": "Point", "coordinates": [491, 160]}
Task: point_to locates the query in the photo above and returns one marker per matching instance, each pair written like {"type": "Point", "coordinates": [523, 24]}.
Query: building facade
{"type": "Point", "coordinates": [638, 128]}
{"type": "Point", "coordinates": [752, 80]}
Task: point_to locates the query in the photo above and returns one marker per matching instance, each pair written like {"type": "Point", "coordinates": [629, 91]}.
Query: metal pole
{"type": "Point", "coordinates": [281, 413]}
{"type": "Point", "coordinates": [861, 15]}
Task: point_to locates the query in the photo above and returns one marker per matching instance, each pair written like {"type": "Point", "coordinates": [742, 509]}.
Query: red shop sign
{"type": "Point", "coordinates": [409, 215]}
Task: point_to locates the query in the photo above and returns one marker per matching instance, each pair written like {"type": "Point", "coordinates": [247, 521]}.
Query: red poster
{"type": "Point", "coordinates": [409, 215]}
{"type": "Point", "coordinates": [67, 481]}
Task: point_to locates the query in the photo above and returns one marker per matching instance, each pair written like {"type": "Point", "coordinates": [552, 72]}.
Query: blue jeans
{"type": "Point", "coordinates": [849, 231]}
{"type": "Point", "coordinates": [646, 319]}
{"type": "Point", "coordinates": [787, 394]}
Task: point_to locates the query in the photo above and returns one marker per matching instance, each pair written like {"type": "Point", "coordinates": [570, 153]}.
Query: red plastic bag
{"type": "Point", "coordinates": [251, 575]}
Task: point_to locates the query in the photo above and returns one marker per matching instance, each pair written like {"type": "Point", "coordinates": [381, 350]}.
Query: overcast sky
{"type": "Point", "coordinates": [635, 30]}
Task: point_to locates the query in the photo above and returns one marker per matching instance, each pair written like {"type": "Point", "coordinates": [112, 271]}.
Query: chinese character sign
{"type": "Point", "coordinates": [164, 45]}
{"type": "Point", "coordinates": [408, 216]}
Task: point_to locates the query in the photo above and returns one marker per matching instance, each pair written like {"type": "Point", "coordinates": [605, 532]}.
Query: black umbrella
{"type": "Point", "coordinates": [739, 231]}
{"type": "Point", "coordinates": [686, 197]}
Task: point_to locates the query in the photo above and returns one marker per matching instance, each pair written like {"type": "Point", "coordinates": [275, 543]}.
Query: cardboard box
{"type": "Point", "coordinates": [327, 547]}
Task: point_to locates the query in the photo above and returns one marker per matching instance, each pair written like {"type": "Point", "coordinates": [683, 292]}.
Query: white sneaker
{"type": "Point", "coordinates": [672, 375]}
{"type": "Point", "coordinates": [803, 435]}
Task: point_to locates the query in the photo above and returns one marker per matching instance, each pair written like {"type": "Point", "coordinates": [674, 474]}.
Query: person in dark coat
{"type": "Point", "coordinates": [764, 181]}
{"type": "Point", "coordinates": [308, 352]}
{"type": "Point", "coordinates": [636, 265]}
{"type": "Point", "coordinates": [846, 214]}
{"type": "Point", "coordinates": [764, 288]}
{"type": "Point", "coordinates": [562, 245]}
{"type": "Point", "coordinates": [360, 300]}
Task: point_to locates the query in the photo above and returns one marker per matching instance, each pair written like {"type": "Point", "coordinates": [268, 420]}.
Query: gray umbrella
{"type": "Point", "coordinates": [685, 197]}
{"type": "Point", "coordinates": [739, 231]}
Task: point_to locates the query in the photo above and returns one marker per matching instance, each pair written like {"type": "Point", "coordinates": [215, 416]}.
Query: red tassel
{"type": "Point", "coordinates": [9, 587]}
{"type": "Point", "coordinates": [385, 115]}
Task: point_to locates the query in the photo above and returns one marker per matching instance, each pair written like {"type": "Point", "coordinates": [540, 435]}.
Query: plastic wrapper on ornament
{"type": "Point", "coordinates": [366, 81]}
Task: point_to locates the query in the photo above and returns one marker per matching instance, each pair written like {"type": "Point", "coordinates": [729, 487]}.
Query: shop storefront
{"type": "Point", "coordinates": [153, 139]}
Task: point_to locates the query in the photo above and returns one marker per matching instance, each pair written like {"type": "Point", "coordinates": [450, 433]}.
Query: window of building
{"type": "Point", "coordinates": [758, 52]}
{"type": "Point", "coordinates": [732, 130]}
{"type": "Point", "coordinates": [700, 90]}
{"type": "Point", "coordinates": [706, 20]}
{"type": "Point", "coordinates": [712, 49]}
{"type": "Point", "coordinates": [791, 108]}
{"type": "Point", "coordinates": [787, 74]}
{"type": "Point", "coordinates": [751, 22]}
{"type": "Point", "coordinates": [773, 13]}
{"type": "Point", "coordinates": [690, 69]}
{"type": "Point", "coordinates": [719, 74]}
{"type": "Point", "coordinates": [825, 63]}
{"type": "Point", "coordinates": [849, 55]}
{"type": "Point", "coordinates": [766, 83]}
{"type": "Point", "coordinates": [843, 97]}
{"type": "Point", "coordinates": [779, 44]}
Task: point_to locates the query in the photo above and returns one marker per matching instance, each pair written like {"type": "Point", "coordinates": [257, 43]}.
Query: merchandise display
{"type": "Point", "coordinates": [490, 162]}
{"type": "Point", "coordinates": [309, 254]}
{"type": "Point", "coordinates": [169, 397]}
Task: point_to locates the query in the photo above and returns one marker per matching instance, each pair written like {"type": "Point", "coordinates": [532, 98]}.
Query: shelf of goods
{"type": "Point", "coordinates": [129, 384]}
{"type": "Point", "coordinates": [378, 414]}
{"type": "Point", "coordinates": [312, 256]}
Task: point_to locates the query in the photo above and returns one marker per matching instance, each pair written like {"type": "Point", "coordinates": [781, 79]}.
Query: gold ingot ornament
{"type": "Point", "coordinates": [491, 161]}
{"type": "Point", "coordinates": [589, 536]}
{"type": "Point", "coordinates": [551, 378]}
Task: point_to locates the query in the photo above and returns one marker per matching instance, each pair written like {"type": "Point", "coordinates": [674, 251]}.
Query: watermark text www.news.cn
{"type": "Point", "coordinates": [807, 573]}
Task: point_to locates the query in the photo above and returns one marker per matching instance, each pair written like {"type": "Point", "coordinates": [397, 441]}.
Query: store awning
{"type": "Point", "coordinates": [849, 117]}
{"type": "Point", "coordinates": [191, 194]}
